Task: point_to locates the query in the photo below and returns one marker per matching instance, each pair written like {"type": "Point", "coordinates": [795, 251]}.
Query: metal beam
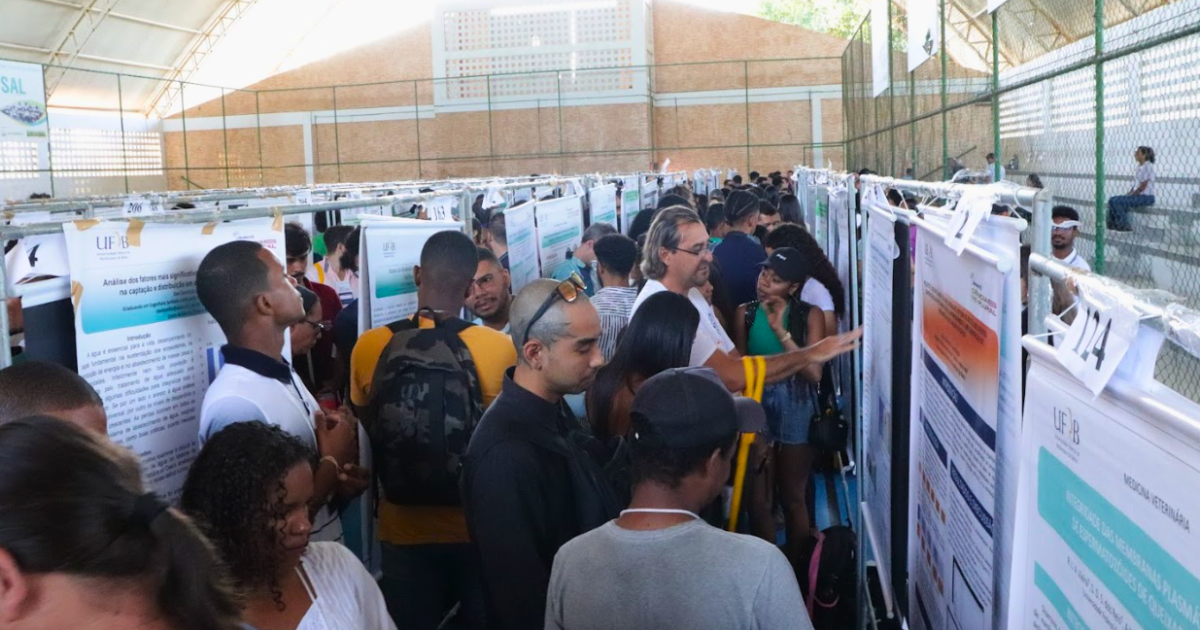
{"type": "Point", "coordinates": [74, 40]}
{"type": "Point", "coordinates": [190, 61]}
{"type": "Point", "coordinates": [124, 16]}
{"type": "Point", "coordinates": [119, 62]}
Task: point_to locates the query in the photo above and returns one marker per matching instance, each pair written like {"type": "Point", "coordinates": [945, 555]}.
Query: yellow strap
{"type": "Point", "coordinates": [761, 365]}
{"type": "Point", "coordinates": [748, 367]}
{"type": "Point", "coordinates": [739, 479]}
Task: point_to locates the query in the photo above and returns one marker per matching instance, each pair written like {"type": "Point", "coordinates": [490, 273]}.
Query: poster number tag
{"type": "Point", "coordinates": [1096, 342]}
{"type": "Point", "coordinates": [140, 207]}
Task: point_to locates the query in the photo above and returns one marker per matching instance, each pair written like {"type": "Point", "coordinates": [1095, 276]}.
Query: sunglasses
{"type": "Point", "coordinates": [1066, 225]}
{"type": "Point", "coordinates": [568, 290]}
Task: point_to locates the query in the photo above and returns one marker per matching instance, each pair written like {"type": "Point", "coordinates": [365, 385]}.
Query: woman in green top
{"type": "Point", "coordinates": [776, 322]}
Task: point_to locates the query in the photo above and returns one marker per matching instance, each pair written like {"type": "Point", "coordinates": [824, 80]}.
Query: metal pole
{"type": "Point", "coordinates": [262, 175]}
{"type": "Point", "coordinates": [50, 163]}
{"type": "Point", "coordinates": [995, 96]}
{"type": "Point", "coordinates": [187, 172]}
{"type": "Point", "coordinates": [417, 118]}
{"type": "Point", "coordinates": [491, 146]}
{"type": "Point", "coordinates": [746, 85]}
{"type": "Point", "coordinates": [1101, 210]}
{"type": "Point", "coordinates": [912, 112]}
{"type": "Point", "coordinates": [124, 140]}
{"type": "Point", "coordinates": [225, 139]}
{"type": "Point", "coordinates": [562, 160]}
{"type": "Point", "coordinates": [337, 147]}
{"type": "Point", "coordinates": [891, 95]}
{"type": "Point", "coordinates": [945, 123]}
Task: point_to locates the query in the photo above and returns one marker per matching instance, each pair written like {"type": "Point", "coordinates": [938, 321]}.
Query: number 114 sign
{"type": "Point", "coordinates": [1097, 341]}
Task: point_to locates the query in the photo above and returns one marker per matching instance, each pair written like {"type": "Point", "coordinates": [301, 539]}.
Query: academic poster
{"type": "Point", "coordinates": [1107, 533]}
{"type": "Point", "coordinates": [23, 102]}
{"type": "Point", "coordinates": [604, 204]}
{"type": "Point", "coordinates": [631, 203]}
{"type": "Point", "coordinates": [143, 340]}
{"type": "Point", "coordinates": [559, 230]}
{"type": "Point", "coordinates": [650, 193]}
{"type": "Point", "coordinates": [955, 409]}
{"type": "Point", "coordinates": [391, 248]}
{"type": "Point", "coordinates": [522, 245]}
{"type": "Point", "coordinates": [877, 348]}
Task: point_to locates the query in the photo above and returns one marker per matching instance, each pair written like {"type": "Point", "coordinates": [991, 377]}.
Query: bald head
{"type": "Point", "coordinates": [553, 325]}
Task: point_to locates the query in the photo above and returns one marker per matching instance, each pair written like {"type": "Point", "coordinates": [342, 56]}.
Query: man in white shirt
{"type": "Point", "coordinates": [248, 292]}
{"type": "Point", "coordinates": [676, 258]}
{"type": "Point", "coordinates": [991, 169]}
{"type": "Point", "coordinates": [1062, 238]}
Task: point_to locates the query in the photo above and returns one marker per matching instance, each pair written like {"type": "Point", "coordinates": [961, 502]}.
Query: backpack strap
{"type": "Point", "coordinates": [751, 315]}
{"type": "Point", "coordinates": [814, 566]}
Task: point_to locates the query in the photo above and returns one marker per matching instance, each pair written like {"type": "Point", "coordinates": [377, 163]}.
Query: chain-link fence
{"type": "Point", "coordinates": [1063, 91]}
{"type": "Point", "coordinates": [763, 115]}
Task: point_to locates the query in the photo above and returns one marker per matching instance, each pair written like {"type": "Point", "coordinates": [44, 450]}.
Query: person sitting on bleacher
{"type": "Point", "coordinates": [1140, 196]}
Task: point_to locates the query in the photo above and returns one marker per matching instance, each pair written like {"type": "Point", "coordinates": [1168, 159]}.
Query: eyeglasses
{"type": "Point", "coordinates": [704, 249]}
{"type": "Point", "coordinates": [568, 290]}
{"type": "Point", "coordinates": [484, 281]}
{"type": "Point", "coordinates": [319, 326]}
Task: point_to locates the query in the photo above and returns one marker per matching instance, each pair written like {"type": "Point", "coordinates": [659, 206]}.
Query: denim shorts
{"type": "Point", "coordinates": [789, 411]}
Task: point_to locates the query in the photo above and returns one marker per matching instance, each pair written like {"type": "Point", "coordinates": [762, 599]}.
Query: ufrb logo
{"type": "Point", "coordinates": [1066, 424]}
{"type": "Point", "coordinates": [111, 242]}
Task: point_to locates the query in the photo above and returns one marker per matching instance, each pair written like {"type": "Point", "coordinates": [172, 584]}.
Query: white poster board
{"type": "Point", "coordinates": [924, 31]}
{"type": "Point", "coordinates": [143, 340]}
{"type": "Point", "coordinates": [631, 203]}
{"type": "Point", "coordinates": [1105, 536]}
{"type": "Point", "coordinates": [650, 193]}
{"type": "Point", "coordinates": [391, 247]}
{"type": "Point", "coordinates": [24, 123]}
{"type": "Point", "coordinates": [965, 415]}
{"type": "Point", "coordinates": [604, 204]}
{"type": "Point", "coordinates": [522, 245]}
{"type": "Point", "coordinates": [877, 387]}
{"type": "Point", "coordinates": [559, 230]}
{"type": "Point", "coordinates": [881, 75]}
{"type": "Point", "coordinates": [442, 208]}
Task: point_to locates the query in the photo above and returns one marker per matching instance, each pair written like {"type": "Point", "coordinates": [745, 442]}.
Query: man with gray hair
{"type": "Point", "coordinates": [676, 258]}
{"type": "Point", "coordinates": [527, 488]}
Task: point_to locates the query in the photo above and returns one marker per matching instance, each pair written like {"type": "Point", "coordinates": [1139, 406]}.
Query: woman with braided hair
{"type": "Point", "coordinates": [251, 489]}
{"type": "Point", "coordinates": [83, 545]}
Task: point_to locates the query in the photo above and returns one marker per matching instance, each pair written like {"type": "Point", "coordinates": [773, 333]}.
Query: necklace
{"type": "Point", "coordinates": [659, 511]}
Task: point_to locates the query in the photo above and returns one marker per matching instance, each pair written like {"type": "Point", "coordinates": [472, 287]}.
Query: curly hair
{"type": "Point", "coordinates": [795, 236]}
{"type": "Point", "coordinates": [235, 492]}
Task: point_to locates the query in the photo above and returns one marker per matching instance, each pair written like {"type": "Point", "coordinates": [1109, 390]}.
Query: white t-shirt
{"type": "Point", "coordinates": [239, 394]}
{"type": "Point", "coordinates": [1075, 260]}
{"type": "Point", "coordinates": [816, 294]}
{"type": "Point", "coordinates": [343, 593]}
{"type": "Point", "coordinates": [1145, 173]}
{"type": "Point", "coordinates": [710, 336]}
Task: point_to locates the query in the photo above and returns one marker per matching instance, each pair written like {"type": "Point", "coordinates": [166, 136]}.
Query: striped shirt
{"type": "Point", "coordinates": [615, 305]}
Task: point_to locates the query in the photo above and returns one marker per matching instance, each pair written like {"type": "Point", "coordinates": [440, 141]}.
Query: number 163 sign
{"type": "Point", "coordinates": [1097, 341]}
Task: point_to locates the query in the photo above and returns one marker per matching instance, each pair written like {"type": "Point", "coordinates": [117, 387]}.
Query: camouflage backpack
{"type": "Point", "coordinates": [425, 404]}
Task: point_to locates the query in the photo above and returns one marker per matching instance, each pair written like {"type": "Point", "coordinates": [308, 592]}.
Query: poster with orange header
{"type": "Point", "coordinates": [962, 409]}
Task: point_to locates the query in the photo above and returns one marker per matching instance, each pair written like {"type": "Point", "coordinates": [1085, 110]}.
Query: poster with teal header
{"type": "Point", "coordinates": [604, 204]}
{"type": "Point", "coordinates": [631, 202]}
{"type": "Point", "coordinates": [391, 249]}
{"type": "Point", "coordinates": [1107, 530]}
{"type": "Point", "coordinates": [22, 102]}
{"type": "Point", "coordinates": [559, 230]}
{"type": "Point", "coordinates": [142, 338]}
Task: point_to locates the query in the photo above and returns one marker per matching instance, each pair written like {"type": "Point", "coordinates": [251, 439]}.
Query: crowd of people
{"type": "Point", "coordinates": [498, 504]}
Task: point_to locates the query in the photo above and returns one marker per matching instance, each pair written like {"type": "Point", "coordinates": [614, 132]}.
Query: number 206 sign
{"type": "Point", "coordinates": [1097, 341]}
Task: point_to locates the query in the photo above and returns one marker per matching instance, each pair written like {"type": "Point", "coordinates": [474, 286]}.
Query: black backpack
{"type": "Point", "coordinates": [425, 404]}
{"type": "Point", "coordinates": [829, 579]}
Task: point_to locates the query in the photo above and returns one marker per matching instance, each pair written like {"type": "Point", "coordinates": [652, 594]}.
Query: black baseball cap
{"type": "Point", "coordinates": [690, 407]}
{"type": "Point", "coordinates": [786, 263]}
